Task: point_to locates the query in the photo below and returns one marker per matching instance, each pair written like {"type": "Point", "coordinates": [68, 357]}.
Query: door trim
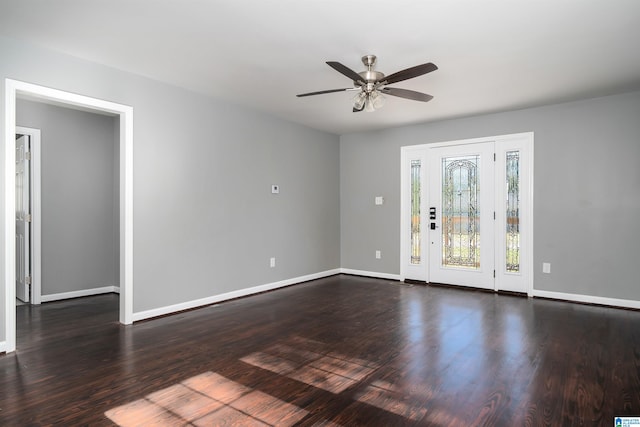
{"type": "Point", "coordinates": [36, 212]}
{"type": "Point", "coordinates": [14, 88]}
{"type": "Point", "coordinates": [407, 152]}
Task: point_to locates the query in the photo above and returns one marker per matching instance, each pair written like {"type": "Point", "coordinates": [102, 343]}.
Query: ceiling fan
{"type": "Point", "coordinates": [372, 84]}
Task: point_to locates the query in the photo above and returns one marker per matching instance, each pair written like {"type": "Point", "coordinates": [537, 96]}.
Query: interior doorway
{"type": "Point", "coordinates": [14, 89]}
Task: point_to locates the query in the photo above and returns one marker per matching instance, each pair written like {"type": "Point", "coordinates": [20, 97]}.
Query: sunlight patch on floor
{"type": "Point", "coordinates": [334, 373]}
{"type": "Point", "coordinates": [212, 399]}
{"type": "Point", "coordinates": [205, 400]}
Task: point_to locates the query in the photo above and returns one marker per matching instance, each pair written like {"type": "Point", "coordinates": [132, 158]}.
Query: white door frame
{"type": "Point", "coordinates": [36, 211]}
{"type": "Point", "coordinates": [413, 152]}
{"type": "Point", "coordinates": [13, 88]}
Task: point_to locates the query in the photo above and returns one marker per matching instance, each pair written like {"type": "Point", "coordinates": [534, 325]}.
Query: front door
{"type": "Point", "coordinates": [461, 215]}
{"type": "Point", "coordinates": [23, 218]}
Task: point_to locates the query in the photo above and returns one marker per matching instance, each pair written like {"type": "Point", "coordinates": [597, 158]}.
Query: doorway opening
{"type": "Point", "coordinates": [15, 89]}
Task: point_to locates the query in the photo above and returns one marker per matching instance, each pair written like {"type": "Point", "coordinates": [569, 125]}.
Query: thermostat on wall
{"type": "Point", "coordinates": [275, 189]}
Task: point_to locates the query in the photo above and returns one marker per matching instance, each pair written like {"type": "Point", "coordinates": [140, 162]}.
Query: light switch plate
{"type": "Point", "coordinates": [379, 200]}
{"type": "Point", "coordinates": [275, 189]}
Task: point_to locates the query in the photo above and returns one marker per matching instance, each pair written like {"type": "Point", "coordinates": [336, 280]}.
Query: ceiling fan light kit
{"type": "Point", "coordinates": [372, 84]}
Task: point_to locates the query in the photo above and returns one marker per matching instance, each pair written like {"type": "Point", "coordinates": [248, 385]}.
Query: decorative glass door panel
{"type": "Point", "coordinates": [461, 180]}
{"type": "Point", "coordinates": [460, 212]}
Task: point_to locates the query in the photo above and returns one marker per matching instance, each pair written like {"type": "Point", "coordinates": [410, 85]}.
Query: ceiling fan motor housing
{"type": "Point", "coordinates": [370, 76]}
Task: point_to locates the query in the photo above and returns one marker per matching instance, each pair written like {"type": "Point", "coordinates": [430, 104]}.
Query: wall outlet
{"type": "Point", "coordinates": [272, 262]}
{"type": "Point", "coordinates": [378, 255]}
{"type": "Point", "coordinates": [546, 267]}
{"type": "Point", "coordinates": [379, 200]}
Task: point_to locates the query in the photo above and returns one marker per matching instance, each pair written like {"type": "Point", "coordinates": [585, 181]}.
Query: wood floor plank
{"type": "Point", "coordinates": [339, 351]}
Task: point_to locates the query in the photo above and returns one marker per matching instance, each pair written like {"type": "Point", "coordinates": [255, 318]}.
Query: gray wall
{"type": "Point", "coordinates": [79, 196]}
{"type": "Point", "coordinates": [205, 221]}
{"type": "Point", "coordinates": [586, 191]}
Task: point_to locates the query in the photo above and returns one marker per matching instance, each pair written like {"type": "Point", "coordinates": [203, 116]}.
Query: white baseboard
{"type": "Point", "coordinates": [81, 293]}
{"type": "Point", "coordinates": [229, 295]}
{"type": "Point", "coordinates": [3, 346]}
{"type": "Point", "coordinates": [590, 299]}
{"type": "Point", "coordinates": [375, 274]}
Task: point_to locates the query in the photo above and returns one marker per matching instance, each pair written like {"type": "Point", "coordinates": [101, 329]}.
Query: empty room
{"type": "Point", "coordinates": [320, 213]}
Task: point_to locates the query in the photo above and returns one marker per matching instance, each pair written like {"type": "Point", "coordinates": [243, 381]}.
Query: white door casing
{"type": "Point", "coordinates": [518, 279]}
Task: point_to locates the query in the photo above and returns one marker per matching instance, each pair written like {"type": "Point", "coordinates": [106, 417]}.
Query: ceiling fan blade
{"type": "Point", "coordinates": [406, 93]}
{"type": "Point", "coordinates": [343, 69]}
{"type": "Point", "coordinates": [409, 73]}
{"type": "Point", "coordinates": [324, 91]}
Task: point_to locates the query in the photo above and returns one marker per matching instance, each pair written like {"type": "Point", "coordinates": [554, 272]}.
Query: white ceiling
{"type": "Point", "coordinates": [493, 55]}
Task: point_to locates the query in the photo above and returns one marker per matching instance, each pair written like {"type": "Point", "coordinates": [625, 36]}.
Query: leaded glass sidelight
{"type": "Point", "coordinates": [415, 212]}
{"type": "Point", "coordinates": [513, 212]}
{"type": "Point", "coordinates": [461, 212]}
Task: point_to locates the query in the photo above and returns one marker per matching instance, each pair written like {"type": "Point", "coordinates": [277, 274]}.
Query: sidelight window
{"type": "Point", "coordinates": [513, 212]}
{"type": "Point", "coordinates": [415, 212]}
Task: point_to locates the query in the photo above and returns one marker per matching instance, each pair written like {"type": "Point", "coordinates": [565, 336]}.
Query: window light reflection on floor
{"type": "Point", "coordinates": [212, 399]}
{"type": "Point", "coordinates": [331, 373]}
{"type": "Point", "coordinates": [205, 400]}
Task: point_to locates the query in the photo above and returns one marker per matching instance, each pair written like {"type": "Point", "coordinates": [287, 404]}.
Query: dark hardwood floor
{"type": "Point", "coordinates": [341, 351]}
